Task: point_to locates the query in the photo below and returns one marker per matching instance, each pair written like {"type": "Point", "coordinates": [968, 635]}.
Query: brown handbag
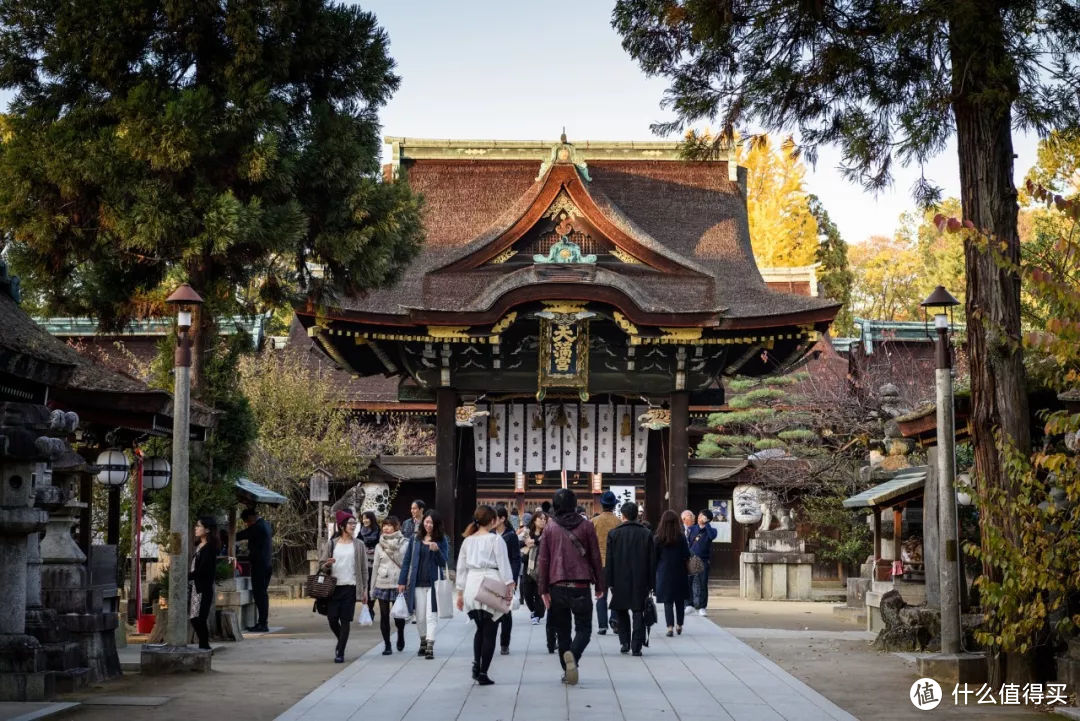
{"type": "Point", "coordinates": [320, 585]}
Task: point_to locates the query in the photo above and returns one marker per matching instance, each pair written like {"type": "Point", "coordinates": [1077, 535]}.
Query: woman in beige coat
{"type": "Point", "coordinates": [385, 569]}
{"type": "Point", "coordinates": [346, 559]}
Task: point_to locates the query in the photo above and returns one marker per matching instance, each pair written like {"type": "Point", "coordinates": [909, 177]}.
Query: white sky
{"type": "Point", "coordinates": [513, 70]}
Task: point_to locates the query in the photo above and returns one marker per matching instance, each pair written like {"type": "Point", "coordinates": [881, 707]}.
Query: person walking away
{"type": "Point", "coordinates": [701, 537]}
{"type": "Point", "coordinates": [630, 574]}
{"type": "Point", "coordinates": [513, 551]}
{"type": "Point", "coordinates": [604, 522]}
{"type": "Point", "coordinates": [385, 571]}
{"type": "Point", "coordinates": [416, 517]}
{"type": "Point", "coordinates": [346, 559]}
{"type": "Point", "coordinates": [568, 565]}
{"type": "Point", "coordinates": [259, 536]}
{"type": "Point", "coordinates": [369, 534]}
{"type": "Point", "coordinates": [530, 550]}
{"type": "Point", "coordinates": [482, 555]}
{"type": "Point", "coordinates": [425, 557]}
{"type": "Point", "coordinates": [672, 583]}
{"type": "Point", "coordinates": [201, 577]}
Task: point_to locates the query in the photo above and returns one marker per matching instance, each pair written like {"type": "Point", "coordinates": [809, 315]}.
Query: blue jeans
{"type": "Point", "coordinates": [699, 587]}
{"type": "Point", "coordinates": [601, 611]}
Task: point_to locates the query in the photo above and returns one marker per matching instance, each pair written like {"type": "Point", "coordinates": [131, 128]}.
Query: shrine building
{"type": "Point", "coordinates": [572, 305]}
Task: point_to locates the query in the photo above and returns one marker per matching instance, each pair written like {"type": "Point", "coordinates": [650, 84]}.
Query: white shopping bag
{"type": "Point", "coordinates": [365, 616]}
{"type": "Point", "coordinates": [400, 609]}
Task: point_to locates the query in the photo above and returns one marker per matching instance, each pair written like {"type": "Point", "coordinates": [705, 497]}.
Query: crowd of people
{"type": "Point", "coordinates": [561, 564]}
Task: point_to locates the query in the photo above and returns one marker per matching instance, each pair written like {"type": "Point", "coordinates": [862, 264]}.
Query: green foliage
{"type": "Point", "coordinates": [750, 415]}
{"type": "Point", "coordinates": [764, 444]}
{"type": "Point", "coordinates": [234, 145]}
{"type": "Point", "coordinates": [224, 570]}
{"type": "Point", "coordinates": [798, 435]}
{"type": "Point", "coordinates": [834, 274]}
{"type": "Point", "coordinates": [837, 534]}
{"type": "Point", "coordinates": [765, 395]}
{"type": "Point", "coordinates": [741, 385]}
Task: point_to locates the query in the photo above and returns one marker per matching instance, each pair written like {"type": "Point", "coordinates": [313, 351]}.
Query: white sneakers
{"type": "Point", "coordinates": [701, 612]}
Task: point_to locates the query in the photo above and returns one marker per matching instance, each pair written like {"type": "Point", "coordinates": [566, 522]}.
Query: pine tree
{"type": "Point", "coordinates": [834, 274]}
{"type": "Point", "coordinates": [890, 81]}
{"type": "Point", "coordinates": [234, 145]}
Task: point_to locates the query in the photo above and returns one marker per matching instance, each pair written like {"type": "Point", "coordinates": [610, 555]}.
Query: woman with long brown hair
{"type": "Point", "coordinates": [672, 586]}
{"type": "Point", "coordinates": [482, 555]}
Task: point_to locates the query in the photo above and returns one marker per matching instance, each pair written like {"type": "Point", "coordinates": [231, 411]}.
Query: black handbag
{"type": "Point", "coordinates": [649, 612]}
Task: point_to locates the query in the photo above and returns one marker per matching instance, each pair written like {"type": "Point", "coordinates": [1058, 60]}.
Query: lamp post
{"type": "Point", "coordinates": [939, 303]}
{"type": "Point", "coordinates": [176, 635]}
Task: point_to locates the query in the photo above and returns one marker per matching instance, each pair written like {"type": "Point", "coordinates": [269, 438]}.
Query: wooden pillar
{"type": "Point", "coordinates": [877, 537]}
{"type": "Point", "coordinates": [897, 524]}
{"type": "Point", "coordinates": [655, 470]}
{"type": "Point", "coordinates": [678, 451]}
{"type": "Point", "coordinates": [445, 457]}
{"type": "Point", "coordinates": [231, 550]}
{"type": "Point", "coordinates": [465, 484]}
{"type": "Point", "coordinates": [86, 497]}
{"type": "Point", "coordinates": [112, 522]}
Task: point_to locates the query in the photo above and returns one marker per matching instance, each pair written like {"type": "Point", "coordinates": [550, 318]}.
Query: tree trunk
{"type": "Point", "coordinates": [984, 86]}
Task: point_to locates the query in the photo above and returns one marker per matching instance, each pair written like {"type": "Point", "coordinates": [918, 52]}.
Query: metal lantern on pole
{"type": "Point", "coordinates": [156, 473]}
{"type": "Point", "coordinates": [185, 300]}
{"type": "Point", "coordinates": [940, 303]}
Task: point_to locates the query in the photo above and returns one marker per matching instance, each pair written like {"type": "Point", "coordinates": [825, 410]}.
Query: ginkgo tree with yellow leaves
{"type": "Point", "coordinates": [783, 230]}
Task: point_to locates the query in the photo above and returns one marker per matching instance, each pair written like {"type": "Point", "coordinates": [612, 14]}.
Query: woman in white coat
{"type": "Point", "coordinates": [482, 555]}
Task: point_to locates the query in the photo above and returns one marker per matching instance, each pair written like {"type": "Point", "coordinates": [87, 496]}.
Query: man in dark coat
{"type": "Point", "coordinates": [258, 535]}
{"type": "Point", "coordinates": [631, 573]}
{"type": "Point", "coordinates": [513, 551]}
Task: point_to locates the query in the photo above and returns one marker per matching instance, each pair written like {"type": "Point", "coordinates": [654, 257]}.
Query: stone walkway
{"type": "Point", "coordinates": [705, 673]}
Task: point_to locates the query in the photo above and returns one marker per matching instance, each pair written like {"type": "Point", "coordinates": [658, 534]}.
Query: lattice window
{"type": "Point", "coordinates": [543, 243]}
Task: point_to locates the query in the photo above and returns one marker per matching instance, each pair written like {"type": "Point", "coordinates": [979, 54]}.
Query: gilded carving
{"type": "Point", "coordinates": [443, 332]}
{"type": "Point", "coordinates": [503, 256]}
{"type": "Point", "coordinates": [624, 323]}
{"type": "Point", "coordinates": [506, 321]}
{"type": "Point", "coordinates": [562, 204]}
{"type": "Point", "coordinates": [681, 334]}
{"type": "Point", "coordinates": [624, 256]}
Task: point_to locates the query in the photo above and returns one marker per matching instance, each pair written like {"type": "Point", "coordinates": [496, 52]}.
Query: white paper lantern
{"type": "Point", "coordinates": [747, 502]}
{"type": "Point", "coordinates": [156, 473]}
{"type": "Point", "coordinates": [376, 499]}
{"type": "Point", "coordinates": [112, 468]}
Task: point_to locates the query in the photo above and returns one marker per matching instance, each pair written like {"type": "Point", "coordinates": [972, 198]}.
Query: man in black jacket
{"type": "Point", "coordinates": [258, 535]}
{"type": "Point", "coordinates": [631, 575]}
{"type": "Point", "coordinates": [513, 550]}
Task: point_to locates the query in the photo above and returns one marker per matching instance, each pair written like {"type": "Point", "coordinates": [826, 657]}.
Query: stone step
{"type": "Point", "coordinates": [71, 680]}
{"type": "Point", "coordinates": [852, 614]}
{"type": "Point", "coordinates": [831, 595]}
{"type": "Point", "coordinates": [289, 590]}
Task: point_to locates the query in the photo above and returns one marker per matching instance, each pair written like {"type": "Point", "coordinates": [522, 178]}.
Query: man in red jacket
{"type": "Point", "coordinates": [568, 564]}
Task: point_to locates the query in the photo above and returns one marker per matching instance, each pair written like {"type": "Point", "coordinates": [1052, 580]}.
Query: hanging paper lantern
{"type": "Point", "coordinates": [112, 468]}
{"type": "Point", "coordinates": [156, 473]}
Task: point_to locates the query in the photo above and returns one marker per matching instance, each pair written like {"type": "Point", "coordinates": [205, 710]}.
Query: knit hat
{"type": "Point", "coordinates": [608, 499]}
{"type": "Point", "coordinates": [342, 517]}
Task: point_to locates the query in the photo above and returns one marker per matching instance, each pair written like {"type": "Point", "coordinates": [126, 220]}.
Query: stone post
{"type": "Point", "coordinates": [947, 525]}
{"type": "Point", "coordinates": [177, 632]}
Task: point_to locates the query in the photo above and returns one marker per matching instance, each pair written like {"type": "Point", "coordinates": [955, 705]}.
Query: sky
{"type": "Point", "coordinates": [514, 70]}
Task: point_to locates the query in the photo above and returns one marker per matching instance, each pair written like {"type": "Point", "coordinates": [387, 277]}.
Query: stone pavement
{"type": "Point", "coordinates": [705, 672]}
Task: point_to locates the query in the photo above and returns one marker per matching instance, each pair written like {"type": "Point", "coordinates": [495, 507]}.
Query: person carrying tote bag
{"type": "Point", "coordinates": [347, 558]}
{"type": "Point", "coordinates": [484, 574]}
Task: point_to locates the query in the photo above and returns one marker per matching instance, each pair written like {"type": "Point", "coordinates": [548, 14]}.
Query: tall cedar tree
{"type": "Point", "coordinates": [234, 145]}
{"type": "Point", "coordinates": [834, 272]}
{"type": "Point", "coordinates": [885, 80]}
